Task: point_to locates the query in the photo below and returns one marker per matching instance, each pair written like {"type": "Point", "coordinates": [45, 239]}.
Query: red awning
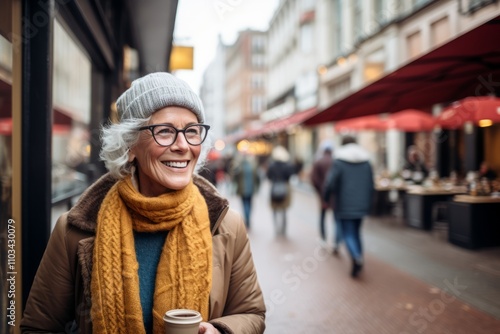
{"type": "Point", "coordinates": [469, 65]}
{"type": "Point", "coordinates": [283, 123]}
{"type": "Point", "coordinates": [6, 127]}
{"type": "Point", "coordinates": [274, 126]}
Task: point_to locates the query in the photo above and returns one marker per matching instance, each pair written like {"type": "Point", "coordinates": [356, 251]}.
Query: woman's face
{"type": "Point", "coordinates": [162, 169]}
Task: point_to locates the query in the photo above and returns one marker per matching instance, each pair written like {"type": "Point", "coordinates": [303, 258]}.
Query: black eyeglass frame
{"type": "Point", "coordinates": [153, 126]}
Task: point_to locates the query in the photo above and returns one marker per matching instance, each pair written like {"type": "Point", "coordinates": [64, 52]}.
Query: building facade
{"type": "Point", "coordinates": [329, 55]}
{"type": "Point", "coordinates": [294, 42]}
{"type": "Point", "coordinates": [246, 81]}
{"type": "Point", "coordinates": [213, 92]}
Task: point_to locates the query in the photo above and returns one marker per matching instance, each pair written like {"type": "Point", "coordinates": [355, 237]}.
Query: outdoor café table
{"type": "Point", "coordinates": [474, 221]}
{"type": "Point", "coordinates": [419, 202]}
{"type": "Point", "coordinates": [382, 203]}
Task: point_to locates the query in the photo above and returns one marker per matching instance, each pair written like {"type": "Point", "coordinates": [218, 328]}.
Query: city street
{"type": "Point", "coordinates": [412, 282]}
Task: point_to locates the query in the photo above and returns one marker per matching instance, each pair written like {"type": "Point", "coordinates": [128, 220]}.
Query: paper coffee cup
{"type": "Point", "coordinates": [182, 321]}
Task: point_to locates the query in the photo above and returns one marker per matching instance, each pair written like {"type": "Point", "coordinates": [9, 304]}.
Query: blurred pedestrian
{"type": "Point", "coordinates": [211, 168]}
{"type": "Point", "coordinates": [486, 172]}
{"type": "Point", "coordinates": [299, 165]}
{"type": "Point", "coordinates": [350, 181]}
{"type": "Point", "coordinates": [414, 170]}
{"type": "Point", "coordinates": [149, 236]}
{"type": "Point", "coordinates": [279, 172]}
{"type": "Point", "coordinates": [245, 175]}
{"type": "Point", "coordinates": [319, 171]}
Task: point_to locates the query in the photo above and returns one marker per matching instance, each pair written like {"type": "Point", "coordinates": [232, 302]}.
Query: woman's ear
{"type": "Point", "coordinates": [131, 155]}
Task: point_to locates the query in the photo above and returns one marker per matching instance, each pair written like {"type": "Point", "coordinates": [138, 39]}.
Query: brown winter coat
{"type": "Point", "coordinates": [60, 300]}
{"type": "Point", "coordinates": [318, 176]}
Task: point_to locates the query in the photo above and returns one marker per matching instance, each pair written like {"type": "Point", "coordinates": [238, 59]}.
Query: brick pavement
{"type": "Point", "coordinates": [309, 291]}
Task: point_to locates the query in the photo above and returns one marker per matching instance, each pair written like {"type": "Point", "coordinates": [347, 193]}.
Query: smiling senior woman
{"type": "Point", "coordinates": [150, 235]}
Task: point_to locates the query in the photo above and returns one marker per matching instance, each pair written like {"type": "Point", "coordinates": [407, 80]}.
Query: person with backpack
{"type": "Point", "coordinates": [279, 173]}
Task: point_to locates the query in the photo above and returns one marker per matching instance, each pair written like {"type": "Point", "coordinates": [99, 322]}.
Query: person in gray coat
{"type": "Point", "coordinates": [350, 181]}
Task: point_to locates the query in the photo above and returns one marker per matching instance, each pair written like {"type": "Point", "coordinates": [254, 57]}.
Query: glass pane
{"type": "Point", "coordinates": [414, 42]}
{"type": "Point", "coordinates": [5, 176]}
{"type": "Point", "coordinates": [440, 31]}
{"type": "Point", "coordinates": [70, 132]}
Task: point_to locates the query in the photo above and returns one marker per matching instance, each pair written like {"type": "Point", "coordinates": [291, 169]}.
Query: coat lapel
{"type": "Point", "coordinates": [85, 255]}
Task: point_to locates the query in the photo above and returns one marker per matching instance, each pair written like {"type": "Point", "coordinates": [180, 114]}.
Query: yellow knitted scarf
{"type": "Point", "coordinates": [184, 273]}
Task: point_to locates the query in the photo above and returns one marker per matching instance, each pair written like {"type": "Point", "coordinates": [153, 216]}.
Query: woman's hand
{"type": "Point", "coordinates": [207, 328]}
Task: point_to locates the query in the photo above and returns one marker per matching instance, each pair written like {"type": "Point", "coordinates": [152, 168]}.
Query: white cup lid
{"type": "Point", "coordinates": [182, 316]}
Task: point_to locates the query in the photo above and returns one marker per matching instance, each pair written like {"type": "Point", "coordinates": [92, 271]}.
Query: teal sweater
{"type": "Point", "coordinates": [148, 247]}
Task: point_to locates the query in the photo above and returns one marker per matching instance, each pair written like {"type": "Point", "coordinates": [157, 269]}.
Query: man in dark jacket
{"type": "Point", "coordinates": [319, 172]}
{"type": "Point", "coordinates": [350, 181]}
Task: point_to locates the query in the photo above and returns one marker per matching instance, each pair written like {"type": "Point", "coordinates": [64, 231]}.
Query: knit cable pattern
{"type": "Point", "coordinates": [184, 273]}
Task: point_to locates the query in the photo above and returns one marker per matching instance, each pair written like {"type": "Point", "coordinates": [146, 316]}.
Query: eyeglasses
{"type": "Point", "coordinates": [166, 135]}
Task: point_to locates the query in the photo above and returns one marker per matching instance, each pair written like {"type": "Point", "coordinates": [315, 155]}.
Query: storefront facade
{"type": "Point", "coordinates": [435, 55]}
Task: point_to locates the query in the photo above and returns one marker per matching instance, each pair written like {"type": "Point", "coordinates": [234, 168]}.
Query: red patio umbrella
{"type": "Point", "coordinates": [371, 122]}
{"type": "Point", "coordinates": [486, 108]}
{"type": "Point", "coordinates": [471, 109]}
{"type": "Point", "coordinates": [452, 118]}
{"type": "Point", "coordinates": [480, 108]}
{"type": "Point", "coordinates": [411, 120]}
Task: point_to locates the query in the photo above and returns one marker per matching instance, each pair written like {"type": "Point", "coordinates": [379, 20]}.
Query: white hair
{"type": "Point", "coordinates": [280, 153]}
{"type": "Point", "coordinates": [118, 138]}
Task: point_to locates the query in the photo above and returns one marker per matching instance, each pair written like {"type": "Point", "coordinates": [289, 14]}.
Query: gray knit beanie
{"type": "Point", "coordinates": [156, 91]}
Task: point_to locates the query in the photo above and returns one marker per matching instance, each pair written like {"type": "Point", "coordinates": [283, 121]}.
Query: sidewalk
{"type": "Point", "coordinates": [411, 283]}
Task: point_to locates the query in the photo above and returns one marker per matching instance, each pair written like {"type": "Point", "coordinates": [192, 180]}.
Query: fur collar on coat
{"type": "Point", "coordinates": [84, 214]}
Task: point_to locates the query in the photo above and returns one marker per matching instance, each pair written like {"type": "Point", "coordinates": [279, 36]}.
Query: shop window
{"type": "Point", "coordinates": [373, 71]}
{"type": "Point", "coordinates": [306, 38]}
{"type": "Point", "coordinates": [71, 114]}
{"type": "Point", "coordinates": [258, 104]}
{"type": "Point", "coordinates": [440, 31]}
{"type": "Point", "coordinates": [471, 6]}
{"type": "Point", "coordinates": [419, 3]}
{"type": "Point", "coordinates": [414, 44]}
{"type": "Point", "coordinates": [258, 61]}
{"type": "Point", "coordinates": [374, 65]}
{"type": "Point", "coordinates": [379, 12]}
{"type": "Point", "coordinates": [258, 43]}
{"type": "Point", "coordinates": [307, 5]}
{"type": "Point", "coordinates": [257, 81]}
{"type": "Point", "coordinates": [5, 172]}
{"type": "Point", "coordinates": [357, 19]}
{"type": "Point", "coordinates": [338, 23]}
{"type": "Point", "coordinates": [339, 89]}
